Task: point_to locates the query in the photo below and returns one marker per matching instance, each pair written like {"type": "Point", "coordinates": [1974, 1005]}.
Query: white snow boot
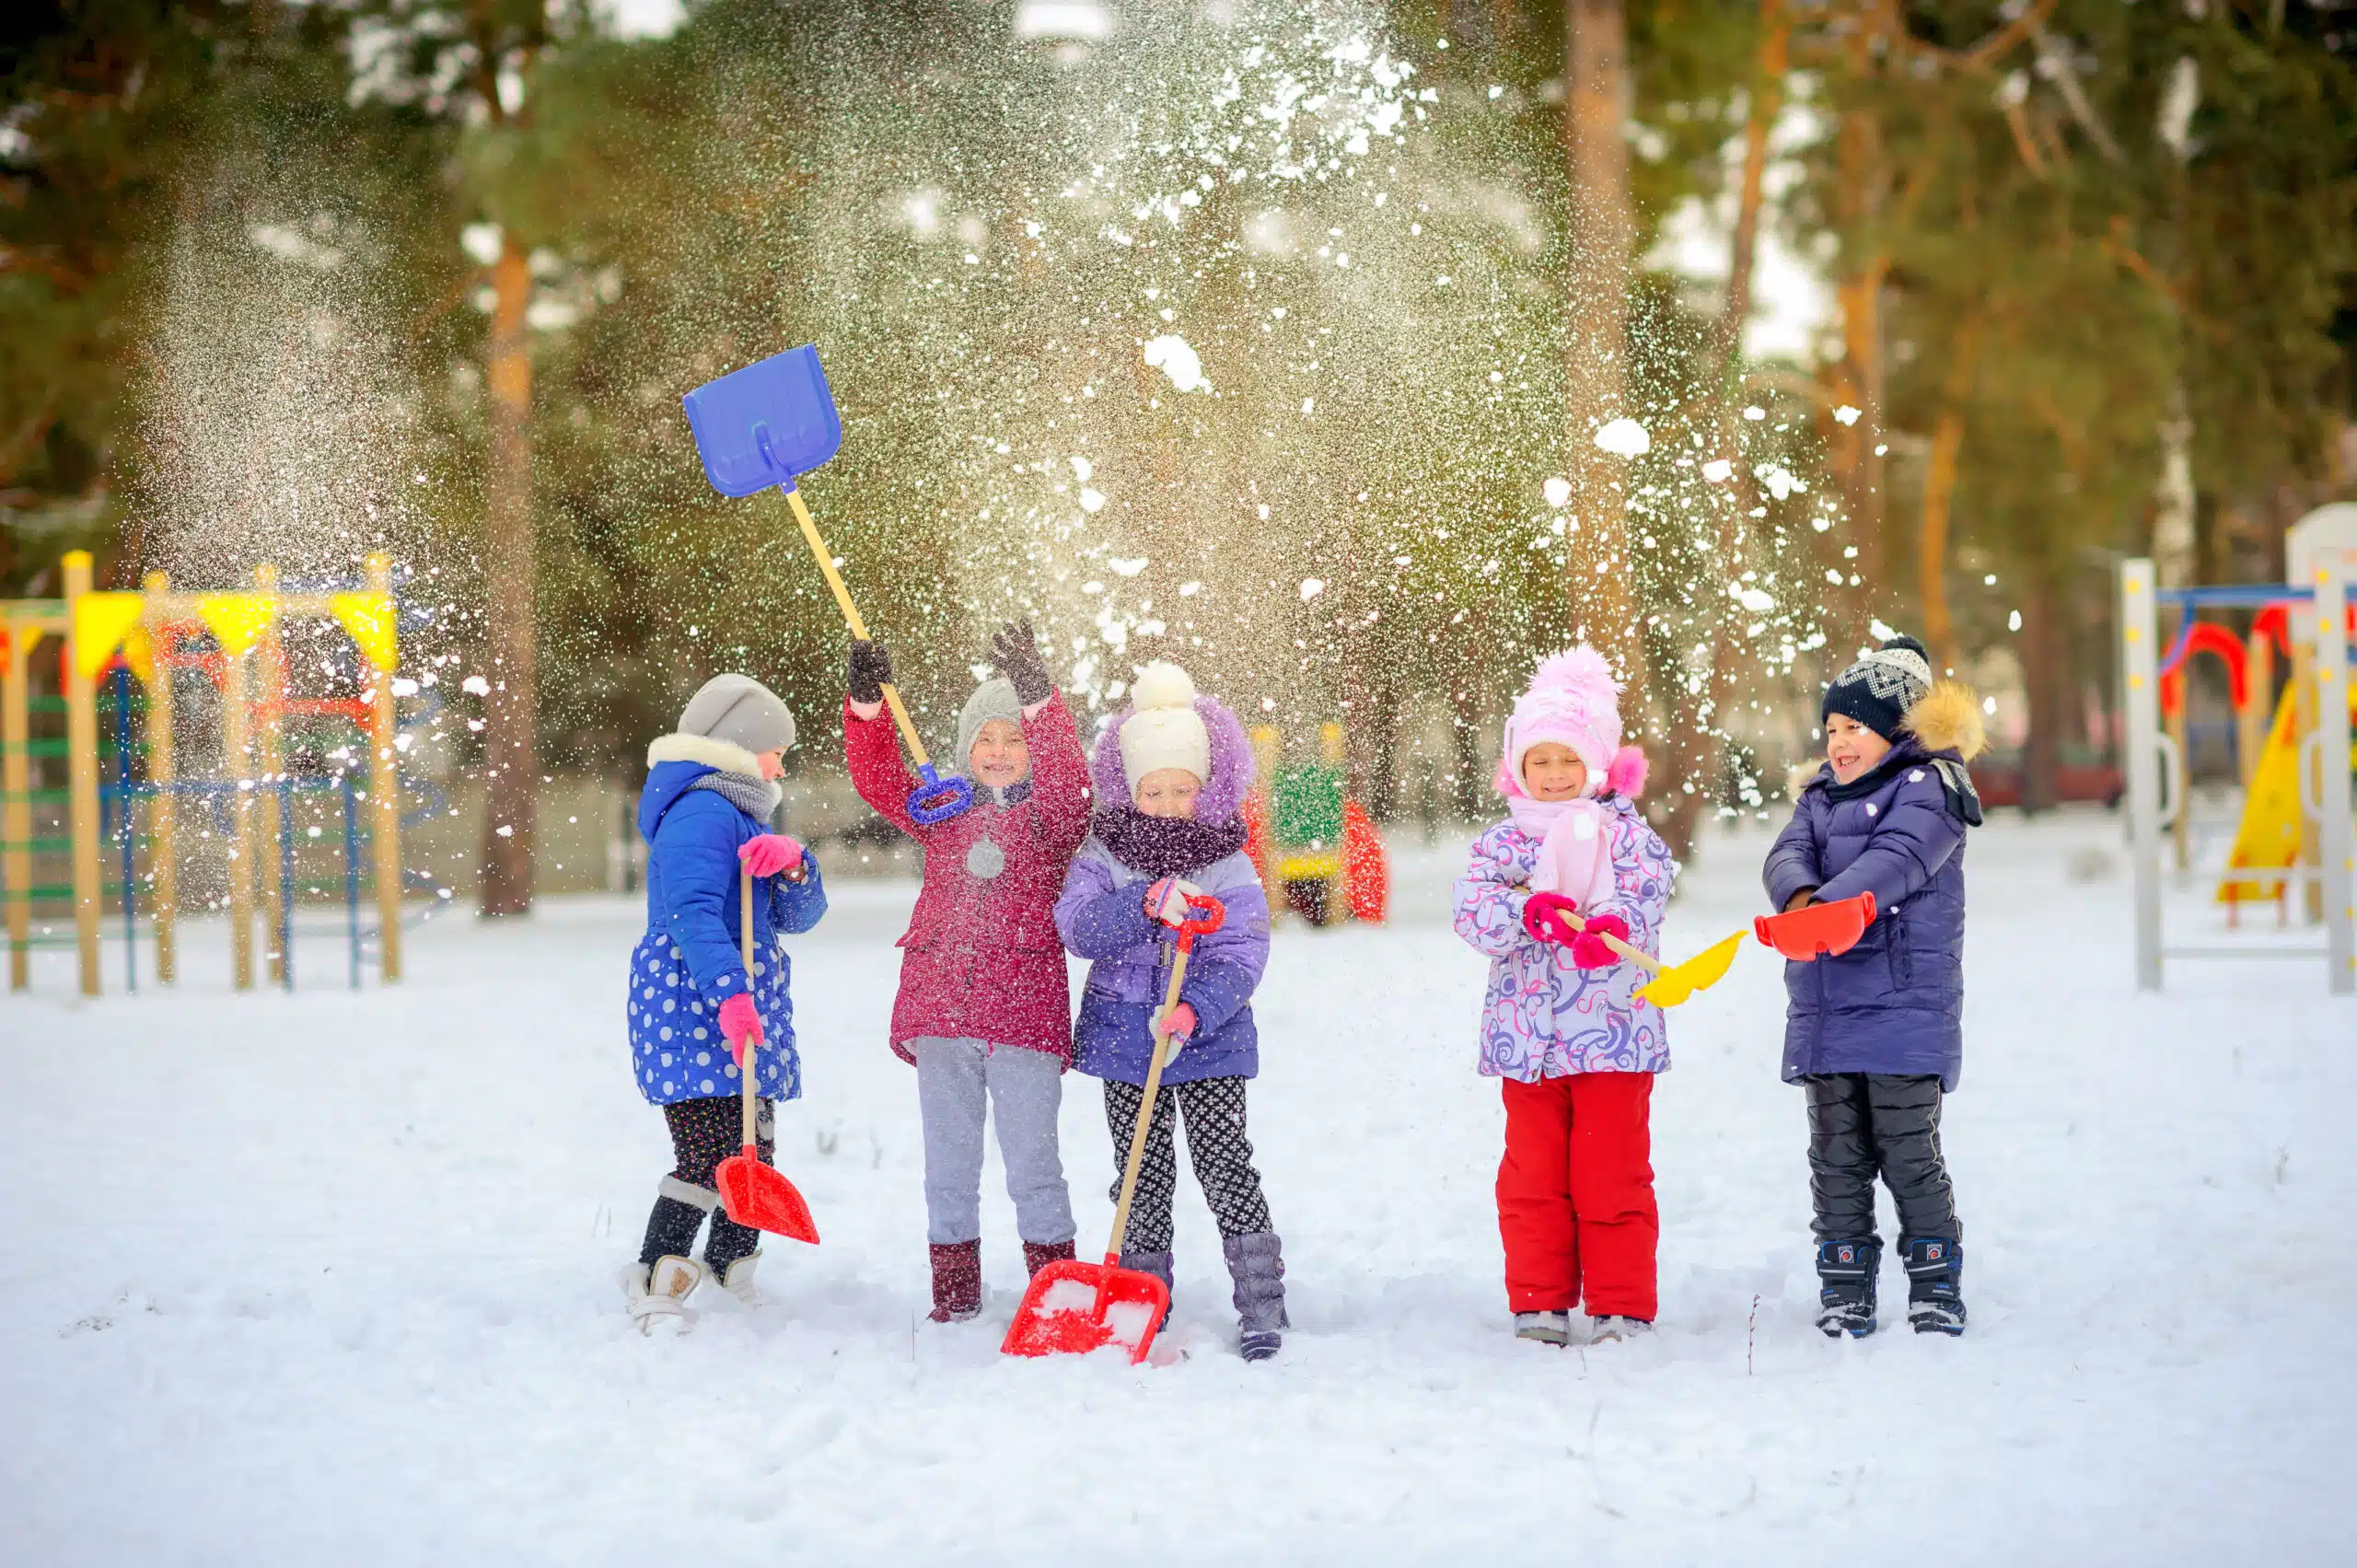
{"type": "Point", "coordinates": [738, 1280]}
{"type": "Point", "coordinates": [1543, 1328]}
{"type": "Point", "coordinates": [1604, 1331]}
{"type": "Point", "coordinates": [659, 1294]}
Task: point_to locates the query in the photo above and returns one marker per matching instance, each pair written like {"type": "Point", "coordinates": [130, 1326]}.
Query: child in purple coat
{"type": "Point", "coordinates": [1171, 773]}
{"type": "Point", "coordinates": [1876, 1035]}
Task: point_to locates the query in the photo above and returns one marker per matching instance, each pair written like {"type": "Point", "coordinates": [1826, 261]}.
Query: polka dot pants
{"type": "Point", "coordinates": [704, 1132]}
{"type": "Point", "coordinates": [1216, 1146]}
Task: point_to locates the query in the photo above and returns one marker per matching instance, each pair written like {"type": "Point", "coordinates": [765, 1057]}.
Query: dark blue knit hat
{"type": "Point", "coordinates": [1879, 689]}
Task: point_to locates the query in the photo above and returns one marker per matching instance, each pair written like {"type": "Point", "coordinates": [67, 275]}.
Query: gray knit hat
{"type": "Point", "coordinates": [740, 711]}
{"type": "Point", "coordinates": [993, 698]}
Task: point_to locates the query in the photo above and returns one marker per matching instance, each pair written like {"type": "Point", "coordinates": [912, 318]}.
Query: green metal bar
{"type": "Point", "coordinates": [40, 796]}
{"type": "Point", "coordinates": [47, 841]}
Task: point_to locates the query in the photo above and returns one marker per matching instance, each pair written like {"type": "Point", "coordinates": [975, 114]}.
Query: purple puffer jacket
{"type": "Point", "coordinates": [1543, 1015]}
{"type": "Point", "coordinates": [1101, 917]}
{"type": "Point", "coordinates": [1895, 1002]}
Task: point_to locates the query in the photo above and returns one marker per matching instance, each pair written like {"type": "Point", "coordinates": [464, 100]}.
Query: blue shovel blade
{"type": "Point", "coordinates": [766, 423]}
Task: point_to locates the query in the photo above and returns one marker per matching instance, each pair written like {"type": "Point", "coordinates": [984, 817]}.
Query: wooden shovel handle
{"type": "Point", "coordinates": [1643, 960]}
{"type": "Point", "coordinates": [1146, 1111]}
{"type": "Point", "coordinates": [745, 1067]}
{"type": "Point", "coordinates": [851, 618]}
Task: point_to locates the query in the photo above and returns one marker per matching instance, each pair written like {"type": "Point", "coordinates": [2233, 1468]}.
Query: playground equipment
{"type": "Point", "coordinates": [2295, 821]}
{"type": "Point", "coordinates": [235, 639]}
{"type": "Point", "coordinates": [1318, 851]}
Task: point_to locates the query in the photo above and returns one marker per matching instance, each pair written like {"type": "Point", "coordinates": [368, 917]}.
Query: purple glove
{"type": "Point", "coordinates": [766, 854]}
{"type": "Point", "coordinates": [740, 1020]}
{"type": "Point", "coordinates": [1588, 949]}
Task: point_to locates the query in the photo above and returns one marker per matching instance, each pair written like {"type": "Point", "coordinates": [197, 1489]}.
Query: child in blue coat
{"type": "Point", "coordinates": [711, 790]}
{"type": "Point", "coordinates": [1876, 1035]}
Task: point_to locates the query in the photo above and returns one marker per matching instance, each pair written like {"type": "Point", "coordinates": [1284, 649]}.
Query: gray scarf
{"type": "Point", "coordinates": [757, 798]}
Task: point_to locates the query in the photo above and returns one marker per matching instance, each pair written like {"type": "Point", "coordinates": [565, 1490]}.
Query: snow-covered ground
{"type": "Point", "coordinates": [329, 1278]}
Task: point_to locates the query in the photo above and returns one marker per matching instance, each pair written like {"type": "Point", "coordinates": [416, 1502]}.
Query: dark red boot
{"type": "Point", "coordinates": [1038, 1255]}
{"type": "Point", "coordinates": [957, 1280]}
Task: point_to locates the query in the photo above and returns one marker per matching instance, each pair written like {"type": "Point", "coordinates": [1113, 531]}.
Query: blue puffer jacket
{"type": "Point", "coordinates": [689, 962]}
{"type": "Point", "coordinates": [1895, 1002]}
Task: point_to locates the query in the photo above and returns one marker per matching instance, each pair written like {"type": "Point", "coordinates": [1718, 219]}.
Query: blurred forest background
{"type": "Point", "coordinates": [1348, 351]}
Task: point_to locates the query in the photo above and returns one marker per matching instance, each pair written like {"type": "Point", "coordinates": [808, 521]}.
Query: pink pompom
{"type": "Point", "coordinates": [1581, 671]}
{"type": "Point", "coordinates": [1505, 783]}
{"type": "Point", "coordinates": [1626, 776]}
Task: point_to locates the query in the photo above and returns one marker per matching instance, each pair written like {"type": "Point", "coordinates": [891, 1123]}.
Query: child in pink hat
{"type": "Point", "coordinates": [1561, 1023]}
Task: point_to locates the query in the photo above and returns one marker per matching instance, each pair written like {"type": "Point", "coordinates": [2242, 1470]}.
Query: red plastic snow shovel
{"type": "Point", "coordinates": [1829, 929]}
{"type": "Point", "coordinates": [753, 1193]}
{"type": "Point", "coordinates": [1671, 984]}
{"type": "Point", "coordinates": [1074, 1308]}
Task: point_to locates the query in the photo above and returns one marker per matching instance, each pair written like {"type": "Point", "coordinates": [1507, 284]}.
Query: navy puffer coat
{"type": "Point", "coordinates": [1895, 1002]}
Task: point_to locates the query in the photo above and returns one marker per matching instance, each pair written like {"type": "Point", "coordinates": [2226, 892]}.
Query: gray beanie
{"type": "Point", "coordinates": [740, 711]}
{"type": "Point", "coordinates": [993, 698]}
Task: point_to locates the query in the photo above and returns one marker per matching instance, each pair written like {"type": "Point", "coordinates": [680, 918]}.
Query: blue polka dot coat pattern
{"type": "Point", "coordinates": [689, 962]}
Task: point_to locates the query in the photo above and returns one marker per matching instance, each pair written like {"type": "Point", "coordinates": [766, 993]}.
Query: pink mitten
{"type": "Point", "coordinates": [1542, 916]}
{"type": "Point", "coordinates": [1588, 949]}
{"type": "Point", "coordinates": [1179, 1023]}
{"type": "Point", "coordinates": [1166, 900]}
{"type": "Point", "coordinates": [766, 854]}
{"type": "Point", "coordinates": [739, 1019]}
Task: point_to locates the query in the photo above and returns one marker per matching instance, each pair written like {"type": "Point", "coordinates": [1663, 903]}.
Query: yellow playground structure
{"type": "Point", "coordinates": [127, 798]}
{"type": "Point", "coordinates": [2293, 749]}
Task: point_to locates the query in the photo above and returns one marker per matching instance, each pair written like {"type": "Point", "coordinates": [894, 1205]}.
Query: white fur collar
{"type": "Point", "coordinates": [725, 755]}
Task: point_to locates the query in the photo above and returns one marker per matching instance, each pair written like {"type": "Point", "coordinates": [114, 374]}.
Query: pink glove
{"type": "Point", "coordinates": [1180, 1022]}
{"type": "Point", "coordinates": [739, 1019]}
{"type": "Point", "coordinates": [1166, 900]}
{"type": "Point", "coordinates": [766, 854]}
{"type": "Point", "coordinates": [1542, 916]}
{"type": "Point", "coordinates": [1588, 950]}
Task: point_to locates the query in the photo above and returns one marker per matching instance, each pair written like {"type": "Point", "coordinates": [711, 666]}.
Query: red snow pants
{"type": "Point", "coordinates": [1576, 1195]}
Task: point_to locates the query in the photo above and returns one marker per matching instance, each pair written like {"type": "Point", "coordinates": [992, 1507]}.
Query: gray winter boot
{"type": "Point", "coordinates": [1158, 1265]}
{"type": "Point", "coordinates": [1258, 1265]}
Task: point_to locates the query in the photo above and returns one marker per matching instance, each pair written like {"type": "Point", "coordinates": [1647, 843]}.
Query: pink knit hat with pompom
{"type": "Point", "coordinates": [1573, 700]}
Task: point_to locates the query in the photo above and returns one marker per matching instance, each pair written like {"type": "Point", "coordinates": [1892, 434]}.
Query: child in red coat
{"type": "Point", "coordinates": [984, 1009]}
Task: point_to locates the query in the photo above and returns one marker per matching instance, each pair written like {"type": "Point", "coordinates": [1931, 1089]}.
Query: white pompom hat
{"type": "Point", "coordinates": [1164, 731]}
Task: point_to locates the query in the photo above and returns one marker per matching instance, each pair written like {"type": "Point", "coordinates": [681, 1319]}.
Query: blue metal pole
{"type": "Point", "coordinates": [286, 878]}
{"type": "Point", "coordinates": [123, 823]}
{"type": "Point", "coordinates": [352, 877]}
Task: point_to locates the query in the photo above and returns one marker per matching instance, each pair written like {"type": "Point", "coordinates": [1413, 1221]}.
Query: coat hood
{"type": "Point", "coordinates": [1232, 764]}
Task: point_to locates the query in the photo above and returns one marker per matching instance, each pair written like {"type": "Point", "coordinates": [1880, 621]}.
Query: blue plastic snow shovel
{"type": "Point", "coordinates": [767, 424]}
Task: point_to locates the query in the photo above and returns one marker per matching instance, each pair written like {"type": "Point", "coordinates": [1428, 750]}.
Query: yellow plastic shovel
{"type": "Point", "coordinates": [1671, 984]}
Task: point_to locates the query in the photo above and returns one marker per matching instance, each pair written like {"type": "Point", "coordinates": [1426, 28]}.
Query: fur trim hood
{"type": "Point", "coordinates": [1232, 766]}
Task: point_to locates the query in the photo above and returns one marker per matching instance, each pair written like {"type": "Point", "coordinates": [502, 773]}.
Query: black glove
{"type": "Point", "coordinates": [868, 671]}
{"type": "Point", "coordinates": [1016, 651]}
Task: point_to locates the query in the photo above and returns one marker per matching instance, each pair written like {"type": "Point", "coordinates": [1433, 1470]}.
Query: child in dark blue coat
{"type": "Point", "coordinates": [711, 790]}
{"type": "Point", "coordinates": [1876, 1035]}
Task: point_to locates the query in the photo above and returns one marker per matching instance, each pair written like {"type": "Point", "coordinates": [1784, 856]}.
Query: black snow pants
{"type": "Point", "coordinates": [704, 1132]}
{"type": "Point", "coordinates": [1861, 1125]}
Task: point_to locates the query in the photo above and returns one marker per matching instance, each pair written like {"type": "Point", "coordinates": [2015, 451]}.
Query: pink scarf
{"type": "Point", "coordinates": [1575, 847]}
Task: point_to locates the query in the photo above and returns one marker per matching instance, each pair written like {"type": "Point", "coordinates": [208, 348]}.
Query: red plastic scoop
{"type": "Point", "coordinates": [1829, 929]}
{"type": "Point", "coordinates": [1074, 1308]}
{"type": "Point", "coordinates": [753, 1193]}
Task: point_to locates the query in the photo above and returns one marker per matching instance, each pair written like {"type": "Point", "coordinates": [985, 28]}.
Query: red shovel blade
{"type": "Point", "coordinates": [761, 1196]}
{"type": "Point", "coordinates": [1827, 929]}
{"type": "Point", "coordinates": [1075, 1307]}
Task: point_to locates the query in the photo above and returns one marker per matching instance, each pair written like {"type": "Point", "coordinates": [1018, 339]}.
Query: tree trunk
{"type": "Point", "coordinates": [2044, 678]}
{"type": "Point", "coordinates": [1694, 747]}
{"type": "Point", "coordinates": [1932, 550]}
{"type": "Point", "coordinates": [1596, 153]}
{"type": "Point", "coordinates": [1857, 465]}
{"type": "Point", "coordinates": [511, 742]}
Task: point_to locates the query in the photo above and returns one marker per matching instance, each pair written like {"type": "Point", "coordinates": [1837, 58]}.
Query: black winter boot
{"type": "Point", "coordinates": [1846, 1270]}
{"type": "Point", "coordinates": [1934, 1280]}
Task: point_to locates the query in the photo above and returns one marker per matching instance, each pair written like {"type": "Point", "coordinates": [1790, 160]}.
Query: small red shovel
{"type": "Point", "coordinates": [1074, 1308]}
{"type": "Point", "coordinates": [1812, 930]}
{"type": "Point", "coordinates": [753, 1193]}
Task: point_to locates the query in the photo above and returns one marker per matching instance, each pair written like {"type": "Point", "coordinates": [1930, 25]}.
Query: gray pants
{"type": "Point", "coordinates": [954, 1079]}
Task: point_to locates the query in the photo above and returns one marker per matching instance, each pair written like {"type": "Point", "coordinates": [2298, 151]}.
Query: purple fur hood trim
{"type": "Point", "coordinates": [1232, 766]}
